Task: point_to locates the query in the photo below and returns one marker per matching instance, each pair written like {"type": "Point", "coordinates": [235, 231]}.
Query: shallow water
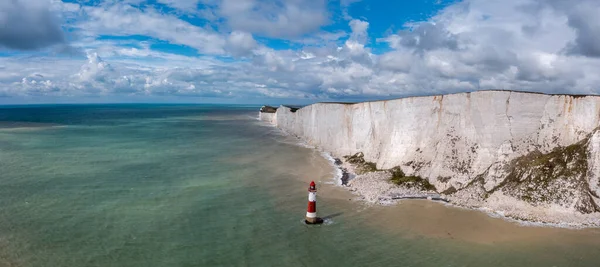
{"type": "Point", "coordinates": [188, 185]}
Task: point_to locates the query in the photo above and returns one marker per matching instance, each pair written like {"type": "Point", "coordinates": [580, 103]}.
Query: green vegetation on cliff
{"type": "Point", "coordinates": [399, 178]}
{"type": "Point", "coordinates": [557, 177]}
{"type": "Point", "coordinates": [362, 166]}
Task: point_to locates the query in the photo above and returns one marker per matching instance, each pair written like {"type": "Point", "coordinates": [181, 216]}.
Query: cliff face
{"type": "Point", "coordinates": [541, 149]}
{"type": "Point", "coordinates": [268, 117]}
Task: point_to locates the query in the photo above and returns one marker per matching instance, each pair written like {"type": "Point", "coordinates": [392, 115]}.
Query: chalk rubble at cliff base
{"type": "Point", "coordinates": [376, 188]}
{"type": "Point", "coordinates": [513, 208]}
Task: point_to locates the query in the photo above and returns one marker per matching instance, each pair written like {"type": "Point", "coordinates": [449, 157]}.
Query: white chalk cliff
{"type": "Point", "coordinates": [542, 150]}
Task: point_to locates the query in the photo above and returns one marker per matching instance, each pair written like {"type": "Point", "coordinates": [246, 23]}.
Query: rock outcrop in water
{"type": "Point", "coordinates": [512, 152]}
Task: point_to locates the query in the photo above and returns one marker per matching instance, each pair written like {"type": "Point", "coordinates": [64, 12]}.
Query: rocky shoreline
{"type": "Point", "coordinates": [377, 188]}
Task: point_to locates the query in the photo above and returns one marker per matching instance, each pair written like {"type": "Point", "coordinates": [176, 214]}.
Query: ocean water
{"type": "Point", "coordinates": [209, 185]}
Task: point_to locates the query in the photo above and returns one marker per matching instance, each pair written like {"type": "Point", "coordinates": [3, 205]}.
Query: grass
{"type": "Point", "coordinates": [362, 166]}
{"type": "Point", "coordinates": [550, 177]}
{"type": "Point", "coordinates": [399, 178]}
{"type": "Point", "coordinates": [568, 162]}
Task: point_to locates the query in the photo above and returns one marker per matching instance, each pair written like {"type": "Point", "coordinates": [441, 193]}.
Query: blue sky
{"type": "Point", "coordinates": [292, 51]}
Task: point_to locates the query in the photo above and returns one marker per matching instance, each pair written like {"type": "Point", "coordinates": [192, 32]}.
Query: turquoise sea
{"type": "Point", "coordinates": [210, 185]}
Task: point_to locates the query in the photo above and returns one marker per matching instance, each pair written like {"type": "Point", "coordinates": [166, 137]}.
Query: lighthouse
{"type": "Point", "coordinates": [311, 211]}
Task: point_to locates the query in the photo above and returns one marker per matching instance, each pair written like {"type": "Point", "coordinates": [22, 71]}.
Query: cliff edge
{"type": "Point", "coordinates": [524, 155]}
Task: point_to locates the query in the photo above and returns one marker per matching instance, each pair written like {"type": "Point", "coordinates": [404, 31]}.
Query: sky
{"type": "Point", "coordinates": [292, 51]}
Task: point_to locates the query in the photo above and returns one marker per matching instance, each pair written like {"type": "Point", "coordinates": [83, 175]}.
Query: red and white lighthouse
{"type": "Point", "coordinates": [311, 211]}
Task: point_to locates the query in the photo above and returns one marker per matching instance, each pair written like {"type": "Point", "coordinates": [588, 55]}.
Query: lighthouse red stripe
{"type": "Point", "coordinates": [312, 207]}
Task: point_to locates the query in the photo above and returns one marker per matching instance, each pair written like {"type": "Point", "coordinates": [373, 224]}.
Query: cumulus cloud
{"type": "Point", "coordinates": [280, 18]}
{"type": "Point", "coordinates": [396, 61]}
{"type": "Point", "coordinates": [123, 19]}
{"type": "Point", "coordinates": [354, 48]}
{"type": "Point", "coordinates": [28, 25]}
{"type": "Point", "coordinates": [359, 30]}
{"type": "Point", "coordinates": [94, 68]}
{"type": "Point", "coordinates": [518, 45]}
{"type": "Point", "coordinates": [583, 17]}
{"type": "Point", "coordinates": [240, 43]}
{"type": "Point", "coordinates": [426, 36]}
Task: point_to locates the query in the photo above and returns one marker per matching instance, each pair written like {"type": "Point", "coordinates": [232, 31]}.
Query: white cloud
{"type": "Point", "coordinates": [280, 18]}
{"type": "Point", "coordinates": [518, 44]}
{"type": "Point", "coordinates": [240, 43]}
{"type": "Point", "coordinates": [184, 5]}
{"type": "Point", "coordinates": [322, 38]}
{"type": "Point", "coordinates": [354, 48]}
{"type": "Point", "coordinates": [397, 61]}
{"type": "Point", "coordinates": [120, 19]}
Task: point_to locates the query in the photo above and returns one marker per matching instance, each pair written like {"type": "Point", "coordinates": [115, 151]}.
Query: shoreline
{"type": "Point", "coordinates": [375, 188]}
